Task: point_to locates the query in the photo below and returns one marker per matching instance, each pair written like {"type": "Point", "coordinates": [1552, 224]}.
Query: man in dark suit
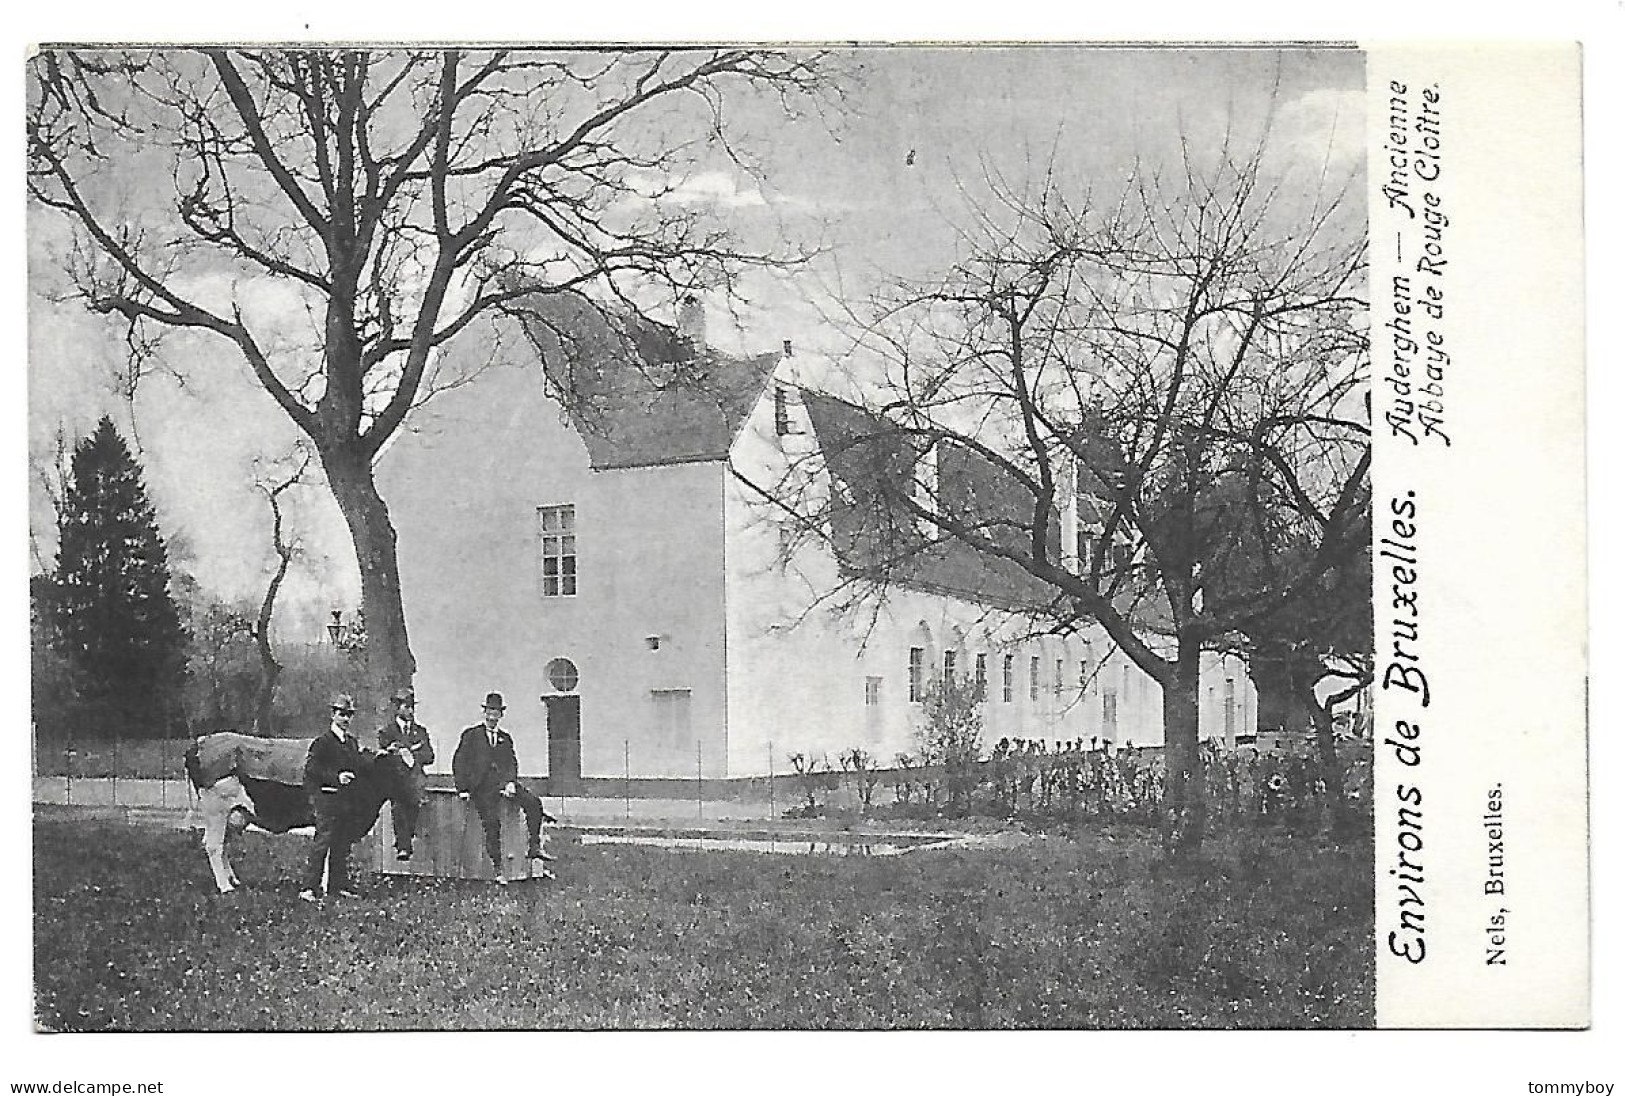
{"type": "Point", "coordinates": [410, 742]}
{"type": "Point", "coordinates": [330, 767]}
{"type": "Point", "coordinates": [486, 771]}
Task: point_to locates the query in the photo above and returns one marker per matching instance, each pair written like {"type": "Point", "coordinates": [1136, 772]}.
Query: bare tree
{"type": "Point", "coordinates": [388, 200]}
{"type": "Point", "coordinates": [278, 479]}
{"type": "Point", "coordinates": [1121, 409]}
{"type": "Point", "coordinates": [1314, 654]}
{"type": "Point", "coordinates": [53, 477]}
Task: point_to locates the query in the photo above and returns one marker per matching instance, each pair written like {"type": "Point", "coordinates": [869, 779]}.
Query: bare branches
{"type": "Point", "coordinates": [342, 217]}
{"type": "Point", "coordinates": [274, 481]}
{"type": "Point", "coordinates": [391, 190]}
{"type": "Point", "coordinates": [1154, 398]}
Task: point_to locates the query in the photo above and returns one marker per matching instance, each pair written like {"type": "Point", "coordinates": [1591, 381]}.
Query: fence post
{"type": "Point", "coordinates": [68, 757]}
{"type": "Point", "coordinates": [772, 797]}
{"type": "Point", "coordinates": [118, 742]}
{"type": "Point", "coordinates": [626, 786]}
{"type": "Point", "coordinates": [699, 775]}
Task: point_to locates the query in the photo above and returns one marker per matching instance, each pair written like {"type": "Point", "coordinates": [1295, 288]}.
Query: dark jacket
{"type": "Point", "coordinates": [478, 767]}
{"type": "Point", "coordinates": [330, 755]}
{"type": "Point", "coordinates": [414, 738]}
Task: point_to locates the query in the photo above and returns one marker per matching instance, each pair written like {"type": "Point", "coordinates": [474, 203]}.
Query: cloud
{"type": "Point", "coordinates": [1326, 126]}
{"type": "Point", "coordinates": [717, 189]}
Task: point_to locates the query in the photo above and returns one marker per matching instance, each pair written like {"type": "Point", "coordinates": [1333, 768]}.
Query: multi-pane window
{"type": "Point", "coordinates": [1009, 678]}
{"type": "Point", "coordinates": [1108, 713]}
{"type": "Point", "coordinates": [916, 674]}
{"type": "Point", "coordinates": [981, 675]}
{"type": "Point", "coordinates": [950, 660]}
{"type": "Point", "coordinates": [1229, 708]}
{"type": "Point", "coordinates": [558, 550]}
{"type": "Point", "coordinates": [871, 692]}
{"type": "Point", "coordinates": [1085, 549]}
{"type": "Point", "coordinates": [1032, 678]}
{"type": "Point", "coordinates": [1060, 675]}
{"type": "Point", "coordinates": [673, 727]}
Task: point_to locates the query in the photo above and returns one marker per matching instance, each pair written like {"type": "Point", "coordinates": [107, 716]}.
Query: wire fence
{"type": "Point", "coordinates": [1074, 784]}
{"type": "Point", "coordinates": [142, 772]}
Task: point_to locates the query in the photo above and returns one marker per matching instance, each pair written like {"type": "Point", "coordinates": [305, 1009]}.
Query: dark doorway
{"type": "Point", "coordinates": [563, 743]}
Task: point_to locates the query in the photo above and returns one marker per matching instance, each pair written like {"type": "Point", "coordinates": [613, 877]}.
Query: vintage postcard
{"type": "Point", "coordinates": [722, 537]}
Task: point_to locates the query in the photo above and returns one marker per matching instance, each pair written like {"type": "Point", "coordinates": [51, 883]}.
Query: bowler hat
{"type": "Point", "coordinates": [494, 700]}
{"type": "Point", "coordinates": [344, 702]}
{"type": "Point", "coordinates": [403, 696]}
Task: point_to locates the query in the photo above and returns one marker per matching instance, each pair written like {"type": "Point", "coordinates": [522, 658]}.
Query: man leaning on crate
{"type": "Point", "coordinates": [486, 771]}
{"type": "Point", "coordinates": [410, 742]}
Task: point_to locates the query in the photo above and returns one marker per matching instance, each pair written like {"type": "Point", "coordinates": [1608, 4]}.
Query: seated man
{"type": "Point", "coordinates": [410, 742]}
{"type": "Point", "coordinates": [485, 771]}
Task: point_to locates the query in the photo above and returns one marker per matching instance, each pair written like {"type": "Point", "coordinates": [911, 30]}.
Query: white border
{"type": "Point", "coordinates": [1223, 1062]}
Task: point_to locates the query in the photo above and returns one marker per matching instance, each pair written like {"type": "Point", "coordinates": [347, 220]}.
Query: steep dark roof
{"type": "Point", "coordinates": [873, 462]}
{"type": "Point", "coordinates": [637, 392]}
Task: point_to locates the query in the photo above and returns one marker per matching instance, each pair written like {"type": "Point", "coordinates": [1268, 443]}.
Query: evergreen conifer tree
{"type": "Point", "coordinates": [113, 617]}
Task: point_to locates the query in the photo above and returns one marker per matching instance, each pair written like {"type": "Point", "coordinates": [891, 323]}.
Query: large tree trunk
{"type": "Point", "coordinates": [1279, 708]}
{"type": "Point", "coordinates": [1184, 816]}
{"type": "Point", "coordinates": [1331, 766]}
{"type": "Point", "coordinates": [388, 662]}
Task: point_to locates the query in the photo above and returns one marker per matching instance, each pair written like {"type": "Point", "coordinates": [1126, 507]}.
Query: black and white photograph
{"type": "Point", "coordinates": [566, 538]}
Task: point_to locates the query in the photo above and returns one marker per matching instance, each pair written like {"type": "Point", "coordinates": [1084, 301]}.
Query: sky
{"type": "Point", "coordinates": [879, 184]}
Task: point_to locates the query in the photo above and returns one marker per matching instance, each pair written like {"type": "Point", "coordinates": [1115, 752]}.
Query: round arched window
{"type": "Point", "coordinates": [562, 675]}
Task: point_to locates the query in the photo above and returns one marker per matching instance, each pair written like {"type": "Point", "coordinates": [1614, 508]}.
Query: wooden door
{"type": "Point", "coordinates": [563, 743]}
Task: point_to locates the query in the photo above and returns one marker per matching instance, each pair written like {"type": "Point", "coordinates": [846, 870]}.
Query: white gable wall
{"type": "Point", "coordinates": [799, 671]}
{"type": "Point", "coordinates": [682, 607]}
{"type": "Point", "coordinates": [464, 488]}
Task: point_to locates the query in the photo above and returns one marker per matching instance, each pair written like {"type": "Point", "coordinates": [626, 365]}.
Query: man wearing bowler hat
{"type": "Point", "coordinates": [486, 771]}
{"type": "Point", "coordinates": [409, 741]}
{"type": "Point", "coordinates": [330, 767]}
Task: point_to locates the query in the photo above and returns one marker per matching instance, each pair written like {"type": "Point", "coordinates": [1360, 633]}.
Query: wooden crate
{"type": "Point", "coordinates": [450, 843]}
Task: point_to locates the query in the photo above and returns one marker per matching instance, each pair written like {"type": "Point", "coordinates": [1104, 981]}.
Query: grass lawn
{"type": "Point", "coordinates": [1055, 932]}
